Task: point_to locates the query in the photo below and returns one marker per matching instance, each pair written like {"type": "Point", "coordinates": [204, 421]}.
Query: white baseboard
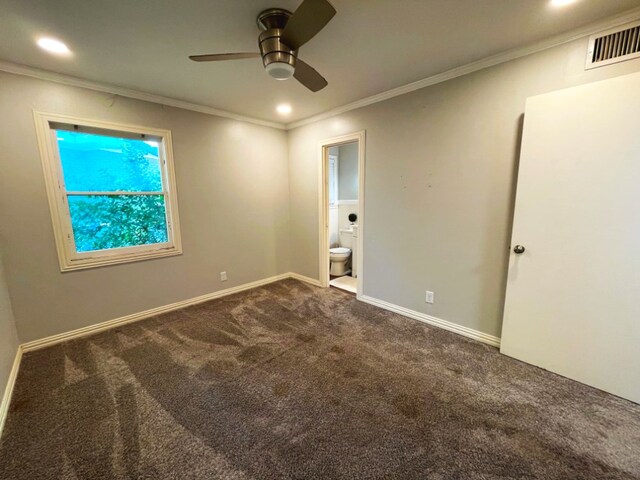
{"type": "Point", "coordinates": [134, 317]}
{"type": "Point", "coordinates": [309, 280]}
{"type": "Point", "coordinates": [437, 322]}
{"type": "Point", "coordinates": [8, 391]}
{"type": "Point", "coordinates": [99, 327]}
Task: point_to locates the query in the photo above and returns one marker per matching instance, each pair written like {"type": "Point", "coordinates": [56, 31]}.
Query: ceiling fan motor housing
{"type": "Point", "coordinates": [278, 59]}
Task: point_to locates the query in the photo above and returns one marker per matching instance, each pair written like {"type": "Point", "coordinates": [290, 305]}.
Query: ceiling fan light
{"type": "Point", "coordinates": [280, 70]}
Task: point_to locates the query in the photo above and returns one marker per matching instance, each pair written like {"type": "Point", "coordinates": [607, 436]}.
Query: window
{"type": "Point", "coordinates": [111, 191]}
{"type": "Point", "coordinates": [333, 181]}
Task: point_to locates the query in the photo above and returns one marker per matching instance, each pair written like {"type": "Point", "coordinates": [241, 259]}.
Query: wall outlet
{"type": "Point", "coordinates": [223, 276]}
{"type": "Point", "coordinates": [429, 297]}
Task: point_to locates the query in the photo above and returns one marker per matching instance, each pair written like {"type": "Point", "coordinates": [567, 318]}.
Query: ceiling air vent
{"type": "Point", "coordinates": [613, 46]}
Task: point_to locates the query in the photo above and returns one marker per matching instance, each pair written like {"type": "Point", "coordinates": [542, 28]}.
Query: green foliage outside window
{"type": "Point", "coordinates": [102, 222]}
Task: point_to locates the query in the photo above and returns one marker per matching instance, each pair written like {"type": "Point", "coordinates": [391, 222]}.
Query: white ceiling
{"type": "Point", "coordinates": [369, 47]}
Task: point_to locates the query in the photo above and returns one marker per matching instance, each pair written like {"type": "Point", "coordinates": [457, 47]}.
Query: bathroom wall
{"type": "Point", "coordinates": [334, 226]}
{"type": "Point", "coordinates": [348, 171]}
{"type": "Point", "coordinates": [233, 196]}
{"type": "Point", "coordinates": [441, 166]}
{"type": "Point", "coordinates": [344, 210]}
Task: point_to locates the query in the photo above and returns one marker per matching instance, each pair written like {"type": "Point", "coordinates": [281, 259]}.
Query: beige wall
{"type": "Point", "coordinates": [440, 173]}
{"type": "Point", "coordinates": [440, 170]}
{"type": "Point", "coordinates": [8, 337]}
{"type": "Point", "coordinates": [233, 194]}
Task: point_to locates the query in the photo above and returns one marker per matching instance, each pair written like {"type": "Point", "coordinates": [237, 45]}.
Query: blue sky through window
{"type": "Point", "coordinates": [98, 163]}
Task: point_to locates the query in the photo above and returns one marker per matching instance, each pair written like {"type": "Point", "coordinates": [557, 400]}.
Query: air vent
{"type": "Point", "coordinates": [613, 46]}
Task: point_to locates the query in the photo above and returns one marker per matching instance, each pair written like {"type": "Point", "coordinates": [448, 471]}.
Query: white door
{"type": "Point", "coordinates": [573, 296]}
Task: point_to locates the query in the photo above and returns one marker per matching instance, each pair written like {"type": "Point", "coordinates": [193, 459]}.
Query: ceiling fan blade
{"type": "Point", "coordinates": [308, 76]}
{"type": "Point", "coordinates": [310, 17]}
{"type": "Point", "coordinates": [214, 57]}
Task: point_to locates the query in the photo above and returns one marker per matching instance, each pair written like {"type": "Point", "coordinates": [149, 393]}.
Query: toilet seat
{"type": "Point", "coordinates": [340, 251]}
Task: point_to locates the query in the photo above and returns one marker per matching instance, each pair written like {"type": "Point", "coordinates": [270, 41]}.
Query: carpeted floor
{"type": "Point", "coordinates": [292, 381]}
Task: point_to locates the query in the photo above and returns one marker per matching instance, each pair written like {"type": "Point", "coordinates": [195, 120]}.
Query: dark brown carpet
{"type": "Point", "coordinates": [291, 381]}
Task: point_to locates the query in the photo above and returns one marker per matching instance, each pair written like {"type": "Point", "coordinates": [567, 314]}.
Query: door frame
{"type": "Point", "coordinates": [323, 204]}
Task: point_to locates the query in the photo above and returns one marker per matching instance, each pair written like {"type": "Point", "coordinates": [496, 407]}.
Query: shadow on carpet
{"type": "Point", "coordinates": [289, 381]}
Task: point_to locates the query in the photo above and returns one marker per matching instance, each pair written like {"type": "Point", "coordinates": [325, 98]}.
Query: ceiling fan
{"type": "Point", "coordinates": [283, 34]}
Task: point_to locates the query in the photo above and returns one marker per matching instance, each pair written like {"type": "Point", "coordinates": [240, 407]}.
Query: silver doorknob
{"type": "Point", "coordinates": [518, 249]}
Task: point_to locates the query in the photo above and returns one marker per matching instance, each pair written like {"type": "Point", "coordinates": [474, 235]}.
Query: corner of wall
{"type": "Point", "coordinates": [289, 184]}
{"type": "Point", "coordinates": [10, 351]}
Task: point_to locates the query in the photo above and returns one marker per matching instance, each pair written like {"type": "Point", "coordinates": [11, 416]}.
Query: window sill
{"type": "Point", "coordinates": [71, 265]}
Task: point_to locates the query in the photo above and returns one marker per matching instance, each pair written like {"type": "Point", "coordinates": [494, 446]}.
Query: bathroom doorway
{"type": "Point", "coordinates": [342, 212]}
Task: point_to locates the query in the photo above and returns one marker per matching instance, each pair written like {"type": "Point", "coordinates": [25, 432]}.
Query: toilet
{"type": "Point", "coordinates": [340, 257]}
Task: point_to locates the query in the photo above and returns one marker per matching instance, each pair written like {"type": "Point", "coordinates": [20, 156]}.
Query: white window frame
{"type": "Point", "coordinates": [68, 257]}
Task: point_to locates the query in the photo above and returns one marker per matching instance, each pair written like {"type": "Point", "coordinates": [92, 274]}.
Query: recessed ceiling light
{"type": "Point", "coordinates": [561, 3]}
{"type": "Point", "coordinates": [283, 109]}
{"type": "Point", "coordinates": [53, 46]}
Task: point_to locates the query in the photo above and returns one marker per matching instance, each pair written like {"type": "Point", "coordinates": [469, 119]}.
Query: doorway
{"type": "Point", "coordinates": [341, 206]}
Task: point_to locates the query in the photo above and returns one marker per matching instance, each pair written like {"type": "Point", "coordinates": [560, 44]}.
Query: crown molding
{"type": "Point", "coordinates": [576, 34]}
{"type": "Point", "coordinates": [27, 71]}
{"type": "Point", "coordinates": [605, 24]}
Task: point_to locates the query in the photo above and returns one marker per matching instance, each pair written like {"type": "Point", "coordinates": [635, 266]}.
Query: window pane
{"type": "Point", "coordinates": [98, 163]}
{"type": "Point", "coordinates": [100, 222]}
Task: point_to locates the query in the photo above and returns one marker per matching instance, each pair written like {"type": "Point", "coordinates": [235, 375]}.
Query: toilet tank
{"type": "Point", "coordinates": [346, 237]}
